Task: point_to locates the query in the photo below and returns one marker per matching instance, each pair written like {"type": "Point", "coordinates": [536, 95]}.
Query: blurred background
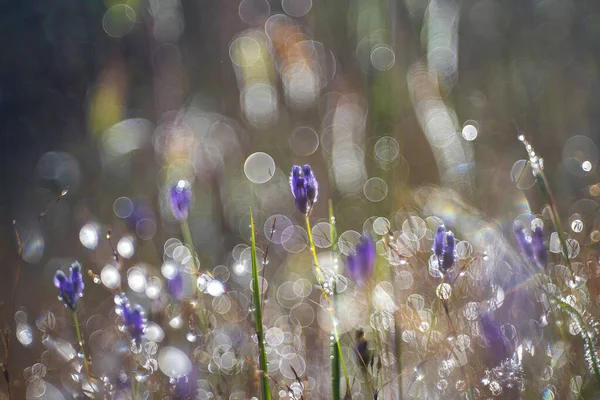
{"type": "Point", "coordinates": [118, 100]}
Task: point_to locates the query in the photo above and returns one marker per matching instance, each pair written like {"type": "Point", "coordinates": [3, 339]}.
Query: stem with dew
{"type": "Point", "coordinates": [335, 350]}
{"type": "Point", "coordinates": [336, 388]}
{"type": "Point", "coordinates": [264, 380]}
{"type": "Point", "coordinates": [81, 346]}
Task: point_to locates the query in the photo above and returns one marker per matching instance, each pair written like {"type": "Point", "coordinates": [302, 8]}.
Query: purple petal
{"type": "Point", "coordinates": [312, 186]}
{"type": "Point", "coordinates": [295, 175]}
{"type": "Point", "coordinates": [448, 259]}
{"type": "Point", "coordinates": [175, 286]}
{"type": "Point", "coordinates": [523, 241]}
{"type": "Point", "coordinates": [59, 279]}
{"type": "Point", "coordinates": [438, 242]}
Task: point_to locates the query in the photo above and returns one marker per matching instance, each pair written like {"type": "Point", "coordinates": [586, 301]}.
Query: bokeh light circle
{"type": "Point", "coordinates": [259, 167]}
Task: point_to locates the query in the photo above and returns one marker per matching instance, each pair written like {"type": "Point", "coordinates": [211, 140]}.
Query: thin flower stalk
{"type": "Point", "coordinates": [335, 349]}
{"type": "Point", "coordinates": [336, 336]}
{"type": "Point", "coordinates": [256, 300]}
{"type": "Point", "coordinates": [537, 165]}
{"type": "Point", "coordinates": [81, 346]}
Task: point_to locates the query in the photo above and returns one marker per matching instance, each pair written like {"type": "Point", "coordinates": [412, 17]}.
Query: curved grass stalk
{"type": "Point", "coordinates": [587, 333]}
{"type": "Point", "coordinates": [264, 380]}
{"type": "Point", "coordinates": [337, 347]}
{"type": "Point", "coordinates": [335, 350]}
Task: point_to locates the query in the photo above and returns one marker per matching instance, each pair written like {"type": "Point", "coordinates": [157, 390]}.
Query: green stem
{"type": "Point", "coordinates": [189, 243]}
{"type": "Point", "coordinates": [80, 342]}
{"type": "Point", "coordinates": [264, 381]}
{"type": "Point", "coordinates": [335, 350]}
{"type": "Point", "coordinates": [336, 388]}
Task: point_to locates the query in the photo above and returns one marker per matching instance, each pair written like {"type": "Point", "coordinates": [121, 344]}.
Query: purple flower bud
{"type": "Point", "coordinates": [133, 318]}
{"type": "Point", "coordinates": [180, 197]}
{"type": "Point", "coordinates": [305, 188]}
{"type": "Point", "coordinates": [524, 241]}
{"type": "Point", "coordinates": [448, 258]}
{"type": "Point", "coordinates": [539, 249]}
{"type": "Point", "coordinates": [438, 242]}
{"type": "Point", "coordinates": [71, 288]}
{"type": "Point", "coordinates": [361, 264]}
{"type": "Point", "coordinates": [443, 249]}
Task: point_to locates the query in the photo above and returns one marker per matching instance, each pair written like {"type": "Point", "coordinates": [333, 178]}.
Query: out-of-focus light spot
{"type": "Point", "coordinates": [254, 12]}
{"type": "Point", "coordinates": [375, 189]}
{"type": "Point", "coordinates": [577, 225]}
{"type": "Point", "coordinates": [169, 270]}
{"type": "Point", "coordinates": [296, 8]}
{"type": "Point", "coordinates": [383, 57]}
{"type": "Point", "coordinates": [145, 229]}
{"type": "Point", "coordinates": [88, 236]}
{"type": "Point", "coordinates": [173, 362]}
{"type": "Point", "coordinates": [136, 279]}
{"type": "Point", "coordinates": [153, 288]}
{"type": "Point", "coordinates": [244, 51]}
{"type": "Point", "coordinates": [586, 166]}
{"type": "Point", "coordinates": [239, 269]}
{"type": "Point", "coordinates": [125, 247]}
{"type": "Point", "coordinates": [118, 20]}
{"type": "Point", "coordinates": [123, 207]}
{"type": "Point", "coordinates": [386, 149]}
{"type": "Point", "coordinates": [110, 276]}
{"type": "Point", "coordinates": [259, 167]}
{"type": "Point", "coordinates": [154, 332]}
{"type": "Point", "coordinates": [260, 105]}
{"type": "Point", "coordinates": [595, 190]}
{"type": "Point", "coordinates": [215, 288]}
{"type": "Point", "coordinates": [579, 155]}
{"type": "Point", "coordinates": [304, 141]}
{"type": "Point", "coordinates": [126, 136]}
{"type": "Point", "coordinates": [176, 322]}
{"type": "Point", "coordinates": [24, 334]}
{"type": "Point", "coordinates": [469, 132]}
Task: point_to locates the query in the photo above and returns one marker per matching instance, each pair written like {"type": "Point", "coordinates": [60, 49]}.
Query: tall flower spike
{"type": "Point", "coordinates": [362, 262]}
{"type": "Point", "coordinates": [524, 241]}
{"type": "Point", "coordinates": [539, 249]}
{"type": "Point", "coordinates": [180, 199]}
{"type": "Point", "coordinates": [305, 188]}
{"type": "Point", "coordinates": [134, 318]}
{"type": "Point", "coordinates": [71, 288]}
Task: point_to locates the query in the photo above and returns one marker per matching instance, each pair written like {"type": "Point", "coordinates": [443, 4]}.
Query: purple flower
{"type": "Point", "coordinates": [180, 198]}
{"type": "Point", "coordinates": [133, 317]}
{"type": "Point", "coordinates": [443, 248]}
{"type": "Point", "coordinates": [362, 262]}
{"type": "Point", "coordinates": [71, 289]}
{"type": "Point", "coordinates": [533, 247]}
{"type": "Point", "coordinates": [493, 336]}
{"type": "Point", "coordinates": [539, 249]}
{"type": "Point", "coordinates": [304, 188]}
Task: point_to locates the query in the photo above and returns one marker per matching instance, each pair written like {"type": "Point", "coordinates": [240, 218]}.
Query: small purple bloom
{"type": "Point", "coordinates": [493, 336]}
{"type": "Point", "coordinates": [305, 188]}
{"type": "Point", "coordinates": [71, 288]}
{"type": "Point", "coordinates": [539, 249]}
{"type": "Point", "coordinates": [133, 317]}
{"type": "Point", "coordinates": [180, 198]}
{"type": "Point", "coordinates": [524, 241]}
{"type": "Point", "coordinates": [443, 249]}
{"type": "Point", "coordinates": [362, 262]}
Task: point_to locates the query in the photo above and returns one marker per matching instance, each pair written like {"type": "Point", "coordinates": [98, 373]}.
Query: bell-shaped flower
{"type": "Point", "coordinates": [180, 199]}
{"type": "Point", "coordinates": [71, 288]}
{"type": "Point", "coordinates": [305, 188]}
{"type": "Point", "coordinates": [361, 263]}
